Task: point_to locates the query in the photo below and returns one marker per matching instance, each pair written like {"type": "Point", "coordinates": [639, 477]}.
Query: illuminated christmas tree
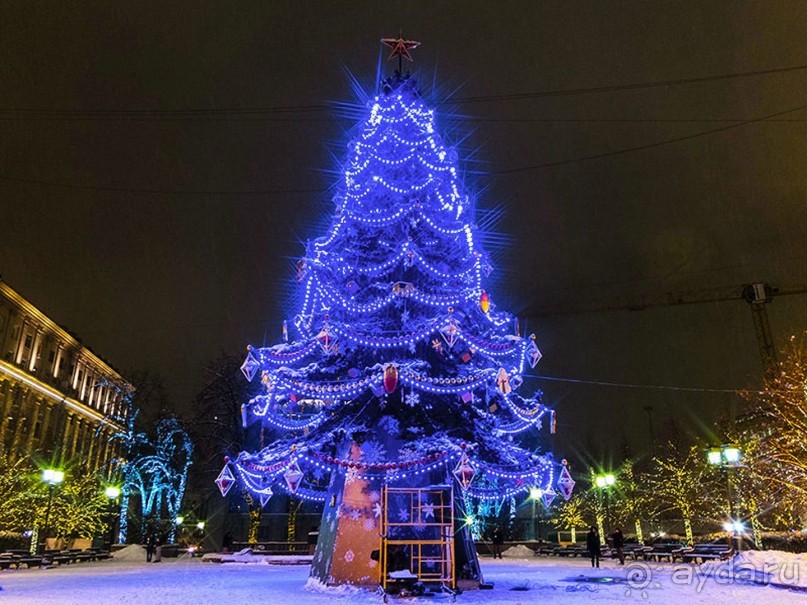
{"type": "Point", "coordinates": [403, 371]}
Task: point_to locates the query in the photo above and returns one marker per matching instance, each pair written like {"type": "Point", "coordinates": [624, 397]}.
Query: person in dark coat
{"type": "Point", "coordinates": [497, 537]}
{"type": "Point", "coordinates": [593, 546]}
{"type": "Point", "coordinates": [149, 547]}
{"type": "Point", "coordinates": [619, 545]}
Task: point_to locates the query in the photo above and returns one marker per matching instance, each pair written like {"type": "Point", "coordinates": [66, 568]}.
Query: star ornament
{"type": "Point", "coordinates": [400, 47]}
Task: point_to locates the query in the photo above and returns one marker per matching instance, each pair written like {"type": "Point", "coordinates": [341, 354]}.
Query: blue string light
{"type": "Point", "coordinates": [391, 300]}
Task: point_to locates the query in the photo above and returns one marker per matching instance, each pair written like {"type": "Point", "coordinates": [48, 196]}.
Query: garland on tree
{"type": "Point", "coordinates": [397, 337]}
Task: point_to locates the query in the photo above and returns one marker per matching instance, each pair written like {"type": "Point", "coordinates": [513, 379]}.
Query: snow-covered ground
{"type": "Point", "coordinates": [548, 581]}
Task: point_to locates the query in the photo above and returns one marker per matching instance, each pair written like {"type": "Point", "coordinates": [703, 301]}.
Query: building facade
{"type": "Point", "coordinates": [60, 402]}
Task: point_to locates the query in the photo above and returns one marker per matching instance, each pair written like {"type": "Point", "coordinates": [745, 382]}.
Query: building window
{"type": "Point", "coordinates": [51, 356]}
{"type": "Point", "coordinates": [28, 340]}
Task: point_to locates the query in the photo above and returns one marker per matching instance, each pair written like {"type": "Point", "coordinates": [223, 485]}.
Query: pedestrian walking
{"type": "Point", "coordinates": [619, 545]}
{"type": "Point", "coordinates": [593, 546]}
{"type": "Point", "coordinates": [497, 537]}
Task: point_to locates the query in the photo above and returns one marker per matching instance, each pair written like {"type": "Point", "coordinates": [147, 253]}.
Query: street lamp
{"type": "Point", "coordinates": [52, 477]}
{"type": "Point", "coordinates": [728, 457]}
{"type": "Point", "coordinates": [535, 495]}
{"type": "Point", "coordinates": [604, 480]}
{"type": "Point", "coordinates": [112, 492]}
{"type": "Point", "coordinates": [604, 483]}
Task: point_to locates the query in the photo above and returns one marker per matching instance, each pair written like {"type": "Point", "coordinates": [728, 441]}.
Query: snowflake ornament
{"type": "Point", "coordinates": [412, 399]}
{"type": "Point", "coordinates": [427, 510]}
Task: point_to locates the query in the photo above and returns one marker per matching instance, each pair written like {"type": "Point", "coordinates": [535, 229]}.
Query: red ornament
{"type": "Point", "coordinates": [390, 378]}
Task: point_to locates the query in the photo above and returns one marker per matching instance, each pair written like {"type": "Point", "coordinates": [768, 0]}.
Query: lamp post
{"type": "Point", "coordinates": [535, 495]}
{"type": "Point", "coordinates": [51, 477]}
{"type": "Point", "coordinates": [604, 484]}
{"type": "Point", "coordinates": [728, 457]}
{"type": "Point", "coordinates": [112, 492]}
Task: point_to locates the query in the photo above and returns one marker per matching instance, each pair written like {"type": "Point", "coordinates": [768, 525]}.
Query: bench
{"type": "Point", "coordinates": [31, 560]}
{"type": "Point", "coordinates": [7, 560]}
{"type": "Point", "coordinates": [544, 550]}
{"type": "Point", "coordinates": [569, 551]}
{"type": "Point", "coordinates": [661, 551]}
{"type": "Point", "coordinates": [96, 554]}
{"type": "Point", "coordinates": [634, 550]}
{"type": "Point", "coordinates": [705, 552]}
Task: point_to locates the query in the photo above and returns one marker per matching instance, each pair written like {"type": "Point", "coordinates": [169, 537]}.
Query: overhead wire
{"type": "Point", "coordinates": [310, 108]}
{"type": "Point", "coordinates": [190, 112]}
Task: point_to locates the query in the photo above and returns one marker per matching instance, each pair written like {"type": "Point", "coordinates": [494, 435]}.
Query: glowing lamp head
{"type": "Point", "coordinates": [604, 480]}
{"type": "Point", "coordinates": [200, 525]}
{"type": "Point", "coordinates": [52, 476]}
{"type": "Point", "coordinates": [738, 527]}
{"type": "Point", "coordinates": [714, 457]}
{"type": "Point", "coordinates": [731, 454]}
{"type": "Point", "coordinates": [728, 526]}
{"type": "Point", "coordinates": [179, 520]}
{"type": "Point", "coordinates": [469, 520]}
{"type": "Point", "coordinates": [536, 493]}
{"type": "Point", "coordinates": [112, 492]}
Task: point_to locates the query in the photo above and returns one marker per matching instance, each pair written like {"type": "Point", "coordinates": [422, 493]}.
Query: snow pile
{"type": "Point", "coordinates": [314, 585]}
{"type": "Point", "coordinates": [132, 552]}
{"type": "Point", "coordinates": [248, 556]}
{"type": "Point", "coordinates": [774, 567]}
{"type": "Point", "coordinates": [518, 552]}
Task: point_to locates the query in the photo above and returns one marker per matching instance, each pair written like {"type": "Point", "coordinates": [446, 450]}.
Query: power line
{"type": "Point", "coordinates": [63, 185]}
{"type": "Point", "coordinates": [195, 113]}
{"type": "Point", "coordinates": [498, 173]}
{"type": "Point", "coordinates": [625, 385]}
{"type": "Point", "coordinates": [315, 120]}
{"type": "Point", "coordinates": [646, 146]}
{"type": "Point", "coordinates": [618, 87]}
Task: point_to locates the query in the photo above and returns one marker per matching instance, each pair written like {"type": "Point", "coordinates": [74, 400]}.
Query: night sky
{"type": "Point", "coordinates": [154, 199]}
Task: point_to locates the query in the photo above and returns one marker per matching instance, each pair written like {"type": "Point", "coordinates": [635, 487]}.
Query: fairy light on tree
{"type": "Point", "coordinates": [403, 370]}
{"type": "Point", "coordinates": [155, 471]}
